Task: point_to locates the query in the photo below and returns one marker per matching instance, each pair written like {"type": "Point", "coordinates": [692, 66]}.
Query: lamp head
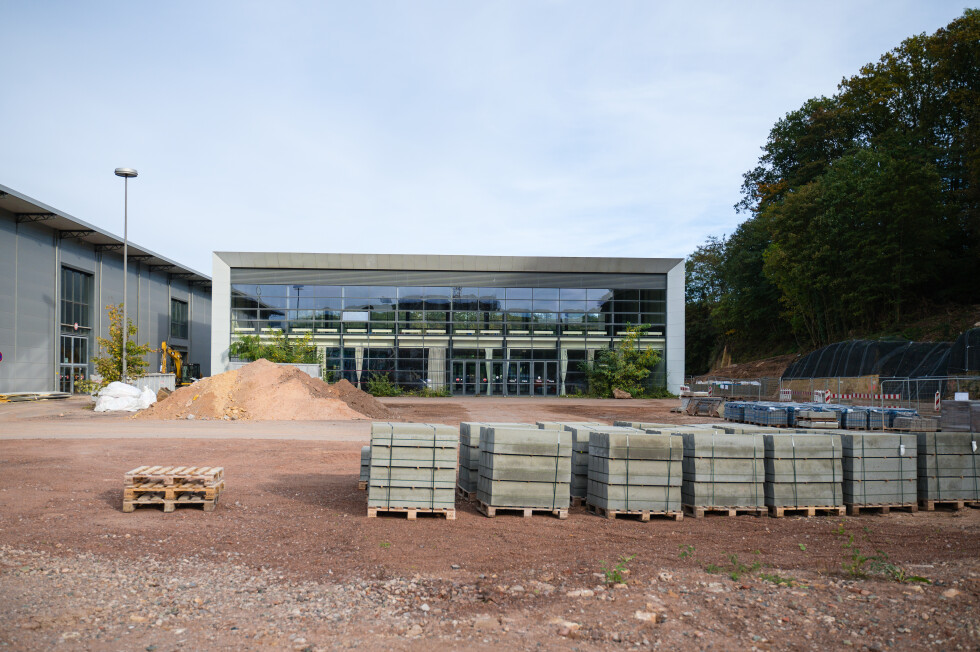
{"type": "Point", "coordinates": [126, 172]}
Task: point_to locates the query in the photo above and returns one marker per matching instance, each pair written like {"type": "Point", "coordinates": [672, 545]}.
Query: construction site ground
{"type": "Point", "coordinates": [288, 559]}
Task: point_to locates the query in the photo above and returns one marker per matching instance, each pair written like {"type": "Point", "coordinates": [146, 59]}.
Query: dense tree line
{"type": "Point", "coordinates": [862, 210]}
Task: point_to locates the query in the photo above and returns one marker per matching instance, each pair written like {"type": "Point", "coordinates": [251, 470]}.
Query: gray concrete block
{"type": "Point", "coordinates": [735, 446]}
{"type": "Point", "coordinates": [636, 447]}
{"type": "Point", "coordinates": [723, 494]}
{"type": "Point", "coordinates": [710, 469]}
{"type": "Point", "coordinates": [525, 468]}
{"type": "Point", "coordinates": [539, 495]}
{"type": "Point", "coordinates": [802, 446]}
{"type": "Point", "coordinates": [622, 497]}
{"type": "Point", "coordinates": [804, 494]}
{"type": "Point", "coordinates": [804, 470]}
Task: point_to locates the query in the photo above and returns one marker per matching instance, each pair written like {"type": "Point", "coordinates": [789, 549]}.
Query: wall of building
{"type": "Point", "coordinates": [31, 258]}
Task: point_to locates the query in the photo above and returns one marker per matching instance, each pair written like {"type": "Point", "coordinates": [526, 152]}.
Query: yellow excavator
{"type": "Point", "coordinates": [185, 374]}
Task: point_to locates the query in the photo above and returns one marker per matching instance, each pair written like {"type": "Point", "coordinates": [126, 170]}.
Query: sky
{"type": "Point", "coordinates": [496, 128]}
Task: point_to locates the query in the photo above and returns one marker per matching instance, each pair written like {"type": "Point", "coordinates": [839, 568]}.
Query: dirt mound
{"type": "Point", "coordinates": [264, 391]}
{"type": "Point", "coordinates": [766, 368]}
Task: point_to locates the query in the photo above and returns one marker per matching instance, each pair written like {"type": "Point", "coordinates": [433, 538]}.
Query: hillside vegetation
{"type": "Point", "coordinates": [862, 212]}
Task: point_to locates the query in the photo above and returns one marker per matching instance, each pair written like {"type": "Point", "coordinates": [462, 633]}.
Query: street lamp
{"type": "Point", "coordinates": [127, 174]}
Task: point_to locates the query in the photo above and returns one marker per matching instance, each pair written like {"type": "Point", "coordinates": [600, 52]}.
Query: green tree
{"type": "Point", "coordinates": [109, 364]}
{"type": "Point", "coordinates": [625, 366]}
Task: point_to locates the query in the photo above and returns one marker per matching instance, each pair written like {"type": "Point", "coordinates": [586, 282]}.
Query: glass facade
{"type": "Point", "coordinates": [503, 339]}
{"type": "Point", "coordinates": [178, 319]}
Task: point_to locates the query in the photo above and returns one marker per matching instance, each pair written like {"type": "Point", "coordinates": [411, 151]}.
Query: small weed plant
{"type": "Point", "coordinates": [616, 574]}
{"type": "Point", "coordinates": [687, 551]}
{"type": "Point", "coordinates": [861, 566]}
{"type": "Point", "coordinates": [778, 580]}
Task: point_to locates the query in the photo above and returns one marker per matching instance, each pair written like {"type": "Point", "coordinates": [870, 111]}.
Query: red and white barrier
{"type": "Point", "coordinates": [937, 402]}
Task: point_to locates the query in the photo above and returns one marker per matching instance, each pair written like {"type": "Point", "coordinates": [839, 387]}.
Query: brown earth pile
{"type": "Point", "coordinates": [264, 391]}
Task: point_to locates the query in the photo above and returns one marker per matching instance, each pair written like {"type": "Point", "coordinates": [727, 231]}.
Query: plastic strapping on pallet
{"type": "Point", "coordinates": [670, 463]}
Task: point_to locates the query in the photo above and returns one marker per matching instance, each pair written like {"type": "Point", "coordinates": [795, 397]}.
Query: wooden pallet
{"type": "Point", "coordinates": [809, 510]}
{"type": "Point", "coordinates": [183, 500]}
{"type": "Point", "coordinates": [643, 514]}
{"type": "Point", "coordinates": [362, 485]}
{"type": "Point", "coordinates": [856, 509]}
{"type": "Point", "coordinates": [412, 512]}
{"type": "Point", "coordinates": [170, 475]}
{"type": "Point", "coordinates": [578, 501]}
{"type": "Point", "coordinates": [173, 492]}
{"type": "Point", "coordinates": [490, 511]}
{"type": "Point", "coordinates": [465, 495]}
{"type": "Point", "coordinates": [957, 505]}
{"type": "Point", "coordinates": [699, 511]}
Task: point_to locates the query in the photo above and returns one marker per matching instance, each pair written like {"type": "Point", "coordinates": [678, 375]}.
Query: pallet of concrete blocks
{"type": "Point", "coordinates": [469, 456]}
{"type": "Point", "coordinates": [580, 455]}
{"type": "Point", "coordinates": [173, 486]}
{"type": "Point", "coordinates": [960, 416]}
{"type": "Point", "coordinates": [854, 418]}
{"type": "Point", "coordinates": [635, 474]}
{"type": "Point", "coordinates": [948, 469]}
{"type": "Point", "coordinates": [524, 469]}
{"type": "Point", "coordinates": [803, 474]}
{"type": "Point", "coordinates": [816, 419]}
{"type": "Point", "coordinates": [915, 424]}
{"type": "Point", "coordinates": [723, 473]}
{"type": "Point", "coordinates": [413, 469]}
{"type": "Point", "coordinates": [879, 472]}
{"type": "Point", "coordinates": [365, 476]}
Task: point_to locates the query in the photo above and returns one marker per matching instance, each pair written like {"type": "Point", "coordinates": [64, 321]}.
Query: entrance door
{"type": "Point", "coordinates": [466, 378]}
{"type": "Point", "coordinates": [74, 362]}
{"type": "Point", "coordinates": [544, 380]}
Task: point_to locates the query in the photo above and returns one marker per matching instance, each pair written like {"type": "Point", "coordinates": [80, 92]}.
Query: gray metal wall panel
{"type": "Point", "coordinates": [27, 334]}
{"type": "Point", "coordinates": [200, 329]}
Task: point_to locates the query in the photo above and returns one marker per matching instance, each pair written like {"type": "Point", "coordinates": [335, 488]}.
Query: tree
{"type": "Point", "coordinates": [625, 367]}
{"type": "Point", "coordinates": [109, 365]}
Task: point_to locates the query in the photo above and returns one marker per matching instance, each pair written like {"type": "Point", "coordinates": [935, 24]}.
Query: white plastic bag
{"type": "Point", "coordinates": [120, 397]}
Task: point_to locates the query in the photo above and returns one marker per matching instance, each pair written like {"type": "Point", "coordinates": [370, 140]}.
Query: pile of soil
{"type": "Point", "coordinates": [765, 368]}
{"type": "Point", "coordinates": [265, 391]}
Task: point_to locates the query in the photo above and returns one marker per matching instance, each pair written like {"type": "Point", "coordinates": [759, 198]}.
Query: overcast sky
{"type": "Point", "coordinates": [498, 128]}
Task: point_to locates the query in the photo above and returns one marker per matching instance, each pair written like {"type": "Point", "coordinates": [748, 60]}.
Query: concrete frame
{"type": "Point", "coordinates": [223, 262]}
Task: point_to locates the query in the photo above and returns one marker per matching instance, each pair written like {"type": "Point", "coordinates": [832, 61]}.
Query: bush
{"type": "Point", "coordinates": [381, 385]}
{"type": "Point", "coordinates": [624, 367]}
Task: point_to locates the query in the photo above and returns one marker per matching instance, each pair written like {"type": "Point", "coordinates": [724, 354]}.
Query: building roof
{"type": "Point", "coordinates": [560, 264]}
{"type": "Point", "coordinates": [27, 209]}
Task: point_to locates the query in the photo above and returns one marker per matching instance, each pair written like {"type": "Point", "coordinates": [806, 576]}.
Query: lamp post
{"type": "Point", "coordinates": [126, 174]}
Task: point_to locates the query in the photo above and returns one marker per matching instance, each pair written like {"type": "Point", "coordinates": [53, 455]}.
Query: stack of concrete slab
{"type": "Point", "coordinates": [469, 454]}
{"type": "Point", "coordinates": [803, 473]}
{"type": "Point", "coordinates": [723, 473]}
{"type": "Point", "coordinates": [365, 476]}
{"type": "Point", "coordinates": [524, 468]}
{"type": "Point", "coordinates": [960, 416]}
{"type": "Point", "coordinates": [949, 468]}
{"type": "Point", "coordinates": [635, 473]}
{"type": "Point", "coordinates": [854, 419]}
{"type": "Point", "coordinates": [641, 425]}
{"type": "Point", "coordinates": [879, 471]}
{"type": "Point", "coordinates": [820, 419]}
{"type": "Point", "coordinates": [413, 469]}
{"type": "Point", "coordinates": [581, 437]}
{"type": "Point", "coordinates": [915, 424]}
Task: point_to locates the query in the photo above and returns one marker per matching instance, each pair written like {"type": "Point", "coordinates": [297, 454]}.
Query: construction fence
{"type": "Point", "coordinates": [922, 394]}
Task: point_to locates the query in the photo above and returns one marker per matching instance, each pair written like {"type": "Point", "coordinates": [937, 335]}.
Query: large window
{"type": "Point", "coordinates": [178, 319]}
{"type": "Point", "coordinates": [512, 339]}
{"type": "Point", "coordinates": [76, 328]}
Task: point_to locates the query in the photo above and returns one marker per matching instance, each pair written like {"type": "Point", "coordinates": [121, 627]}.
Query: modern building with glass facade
{"type": "Point", "coordinates": [57, 274]}
{"type": "Point", "coordinates": [475, 325]}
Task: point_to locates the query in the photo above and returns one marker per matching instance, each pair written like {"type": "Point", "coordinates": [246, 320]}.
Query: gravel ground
{"type": "Point", "coordinates": [288, 560]}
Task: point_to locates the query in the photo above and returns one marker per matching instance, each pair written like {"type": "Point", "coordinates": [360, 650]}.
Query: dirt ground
{"type": "Point", "coordinates": [289, 560]}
